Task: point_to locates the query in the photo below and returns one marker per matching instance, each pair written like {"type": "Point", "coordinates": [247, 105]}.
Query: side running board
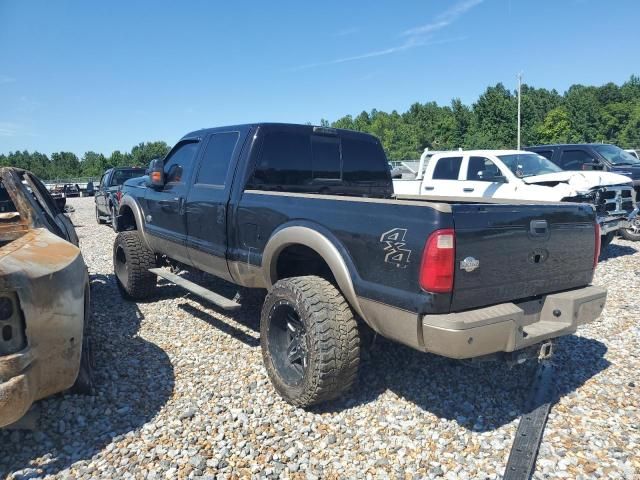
{"type": "Point", "coordinates": [216, 299]}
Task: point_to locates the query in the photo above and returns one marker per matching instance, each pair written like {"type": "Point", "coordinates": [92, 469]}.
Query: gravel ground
{"type": "Point", "coordinates": [182, 393]}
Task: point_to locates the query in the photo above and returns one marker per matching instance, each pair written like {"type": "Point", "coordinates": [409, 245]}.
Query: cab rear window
{"type": "Point", "coordinates": [299, 161]}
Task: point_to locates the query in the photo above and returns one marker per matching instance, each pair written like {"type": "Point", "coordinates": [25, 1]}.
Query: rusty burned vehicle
{"type": "Point", "coordinates": [44, 298]}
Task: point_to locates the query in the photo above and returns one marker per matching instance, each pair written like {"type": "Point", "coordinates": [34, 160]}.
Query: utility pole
{"type": "Point", "coordinates": [519, 95]}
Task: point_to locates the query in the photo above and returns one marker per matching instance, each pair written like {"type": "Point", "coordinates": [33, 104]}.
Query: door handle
{"type": "Point", "coordinates": [468, 189]}
{"type": "Point", "coordinates": [428, 187]}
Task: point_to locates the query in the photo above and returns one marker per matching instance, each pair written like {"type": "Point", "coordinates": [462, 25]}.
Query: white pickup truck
{"type": "Point", "coordinates": [521, 175]}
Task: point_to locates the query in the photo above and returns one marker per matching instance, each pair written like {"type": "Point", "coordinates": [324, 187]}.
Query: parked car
{"type": "Point", "coordinates": [521, 175]}
{"type": "Point", "coordinates": [107, 196]}
{"type": "Point", "coordinates": [90, 190]}
{"type": "Point", "coordinates": [71, 190]}
{"type": "Point", "coordinates": [309, 214]}
{"type": "Point", "coordinates": [599, 157]}
{"type": "Point", "coordinates": [44, 304]}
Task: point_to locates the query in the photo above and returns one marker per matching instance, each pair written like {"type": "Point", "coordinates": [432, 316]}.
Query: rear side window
{"type": "Point", "coordinates": [217, 158]}
{"type": "Point", "coordinates": [447, 168]}
{"type": "Point", "coordinates": [574, 159]}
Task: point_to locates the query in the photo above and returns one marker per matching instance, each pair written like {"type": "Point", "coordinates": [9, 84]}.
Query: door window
{"type": "Point", "coordinates": [447, 168]}
{"type": "Point", "coordinates": [482, 169]}
{"type": "Point", "coordinates": [177, 167]}
{"type": "Point", "coordinates": [217, 158]}
{"type": "Point", "coordinates": [285, 161]}
{"type": "Point", "coordinates": [574, 159]}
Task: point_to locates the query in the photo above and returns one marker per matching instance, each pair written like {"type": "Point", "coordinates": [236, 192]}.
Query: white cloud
{"type": "Point", "coordinates": [416, 37]}
{"type": "Point", "coordinates": [9, 129]}
{"type": "Point", "coordinates": [445, 19]}
{"type": "Point", "coordinates": [346, 31]}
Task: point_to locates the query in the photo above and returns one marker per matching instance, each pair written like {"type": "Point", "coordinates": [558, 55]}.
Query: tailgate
{"type": "Point", "coordinates": [521, 251]}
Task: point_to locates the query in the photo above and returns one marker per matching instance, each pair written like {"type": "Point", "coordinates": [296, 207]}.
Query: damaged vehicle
{"type": "Point", "coordinates": [527, 176]}
{"type": "Point", "coordinates": [44, 298]}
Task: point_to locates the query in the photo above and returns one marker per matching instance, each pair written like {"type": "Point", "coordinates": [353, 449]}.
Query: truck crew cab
{"type": "Point", "coordinates": [309, 214]}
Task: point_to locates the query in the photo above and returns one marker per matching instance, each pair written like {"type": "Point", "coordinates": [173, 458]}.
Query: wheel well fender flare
{"type": "Point", "coordinates": [324, 244]}
{"type": "Point", "coordinates": [129, 202]}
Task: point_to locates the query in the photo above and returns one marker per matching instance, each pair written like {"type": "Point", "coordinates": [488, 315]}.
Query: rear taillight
{"type": "Point", "coordinates": [119, 195]}
{"type": "Point", "coordinates": [596, 253]}
{"type": "Point", "coordinates": [436, 272]}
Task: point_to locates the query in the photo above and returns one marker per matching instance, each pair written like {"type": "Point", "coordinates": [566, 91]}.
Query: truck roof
{"type": "Point", "coordinates": [480, 152]}
{"type": "Point", "coordinates": [275, 125]}
{"type": "Point", "coordinates": [567, 145]}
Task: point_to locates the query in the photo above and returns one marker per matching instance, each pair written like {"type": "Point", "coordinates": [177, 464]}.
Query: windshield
{"type": "Point", "coordinates": [616, 155]}
{"type": "Point", "coordinates": [528, 164]}
{"type": "Point", "coordinates": [121, 176]}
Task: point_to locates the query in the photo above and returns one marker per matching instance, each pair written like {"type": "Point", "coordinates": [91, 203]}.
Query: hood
{"type": "Point", "coordinates": [580, 180]}
{"type": "Point", "coordinates": [631, 171]}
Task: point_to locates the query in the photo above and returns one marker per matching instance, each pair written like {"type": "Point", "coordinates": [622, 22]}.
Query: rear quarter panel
{"type": "Point", "coordinates": [380, 240]}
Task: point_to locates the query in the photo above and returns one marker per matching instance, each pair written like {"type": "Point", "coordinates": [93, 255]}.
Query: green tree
{"type": "Point", "coordinates": [556, 127]}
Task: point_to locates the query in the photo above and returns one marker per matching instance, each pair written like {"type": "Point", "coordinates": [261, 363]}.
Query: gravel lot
{"type": "Point", "coordinates": [182, 393]}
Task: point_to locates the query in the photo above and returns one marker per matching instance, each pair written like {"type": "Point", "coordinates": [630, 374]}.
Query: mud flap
{"type": "Point", "coordinates": [524, 450]}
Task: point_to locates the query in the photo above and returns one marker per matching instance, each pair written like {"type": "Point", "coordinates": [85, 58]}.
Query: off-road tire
{"type": "Point", "coordinates": [606, 239]}
{"type": "Point", "coordinates": [332, 339]}
{"type": "Point", "coordinates": [99, 219]}
{"type": "Point", "coordinates": [85, 381]}
{"type": "Point", "coordinates": [135, 282]}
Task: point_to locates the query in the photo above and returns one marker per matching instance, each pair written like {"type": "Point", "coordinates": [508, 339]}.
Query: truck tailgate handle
{"type": "Point", "coordinates": [538, 228]}
{"type": "Point", "coordinates": [429, 187]}
{"type": "Point", "coordinates": [468, 189]}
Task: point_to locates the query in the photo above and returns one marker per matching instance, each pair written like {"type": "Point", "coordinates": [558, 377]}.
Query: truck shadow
{"type": "Point", "coordinates": [615, 250]}
{"type": "Point", "coordinates": [479, 397]}
{"type": "Point", "coordinates": [134, 378]}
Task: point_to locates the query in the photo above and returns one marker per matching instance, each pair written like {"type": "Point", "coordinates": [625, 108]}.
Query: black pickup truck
{"type": "Point", "coordinates": [309, 214]}
{"type": "Point", "coordinates": [107, 196]}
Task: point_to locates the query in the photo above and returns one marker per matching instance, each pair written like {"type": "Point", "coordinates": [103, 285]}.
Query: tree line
{"type": "Point", "coordinates": [609, 113]}
{"type": "Point", "coordinates": [64, 165]}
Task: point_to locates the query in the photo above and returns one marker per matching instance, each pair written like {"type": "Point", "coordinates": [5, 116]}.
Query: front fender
{"type": "Point", "coordinates": [324, 244]}
{"type": "Point", "coordinates": [127, 201]}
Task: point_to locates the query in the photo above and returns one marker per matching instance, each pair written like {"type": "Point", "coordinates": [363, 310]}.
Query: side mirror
{"type": "Point", "coordinates": [156, 173]}
{"type": "Point", "coordinates": [595, 165]}
{"type": "Point", "coordinates": [490, 176]}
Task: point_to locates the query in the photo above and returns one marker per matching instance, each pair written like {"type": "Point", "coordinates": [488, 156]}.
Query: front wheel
{"type": "Point", "coordinates": [99, 219]}
{"type": "Point", "coordinates": [131, 263]}
{"type": "Point", "coordinates": [309, 339]}
{"type": "Point", "coordinates": [606, 239]}
{"type": "Point", "coordinates": [633, 232]}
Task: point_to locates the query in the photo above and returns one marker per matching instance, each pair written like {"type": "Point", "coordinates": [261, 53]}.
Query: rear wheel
{"type": "Point", "coordinates": [310, 341]}
{"type": "Point", "coordinates": [633, 232]}
{"type": "Point", "coordinates": [131, 263]}
{"type": "Point", "coordinates": [98, 218]}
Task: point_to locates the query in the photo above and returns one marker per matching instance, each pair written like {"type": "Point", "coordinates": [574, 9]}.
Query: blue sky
{"type": "Point", "coordinates": [102, 76]}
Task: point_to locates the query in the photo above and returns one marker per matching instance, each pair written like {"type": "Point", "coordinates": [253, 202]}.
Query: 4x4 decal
{"type": "Point", "coordinates": [394, 244]}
